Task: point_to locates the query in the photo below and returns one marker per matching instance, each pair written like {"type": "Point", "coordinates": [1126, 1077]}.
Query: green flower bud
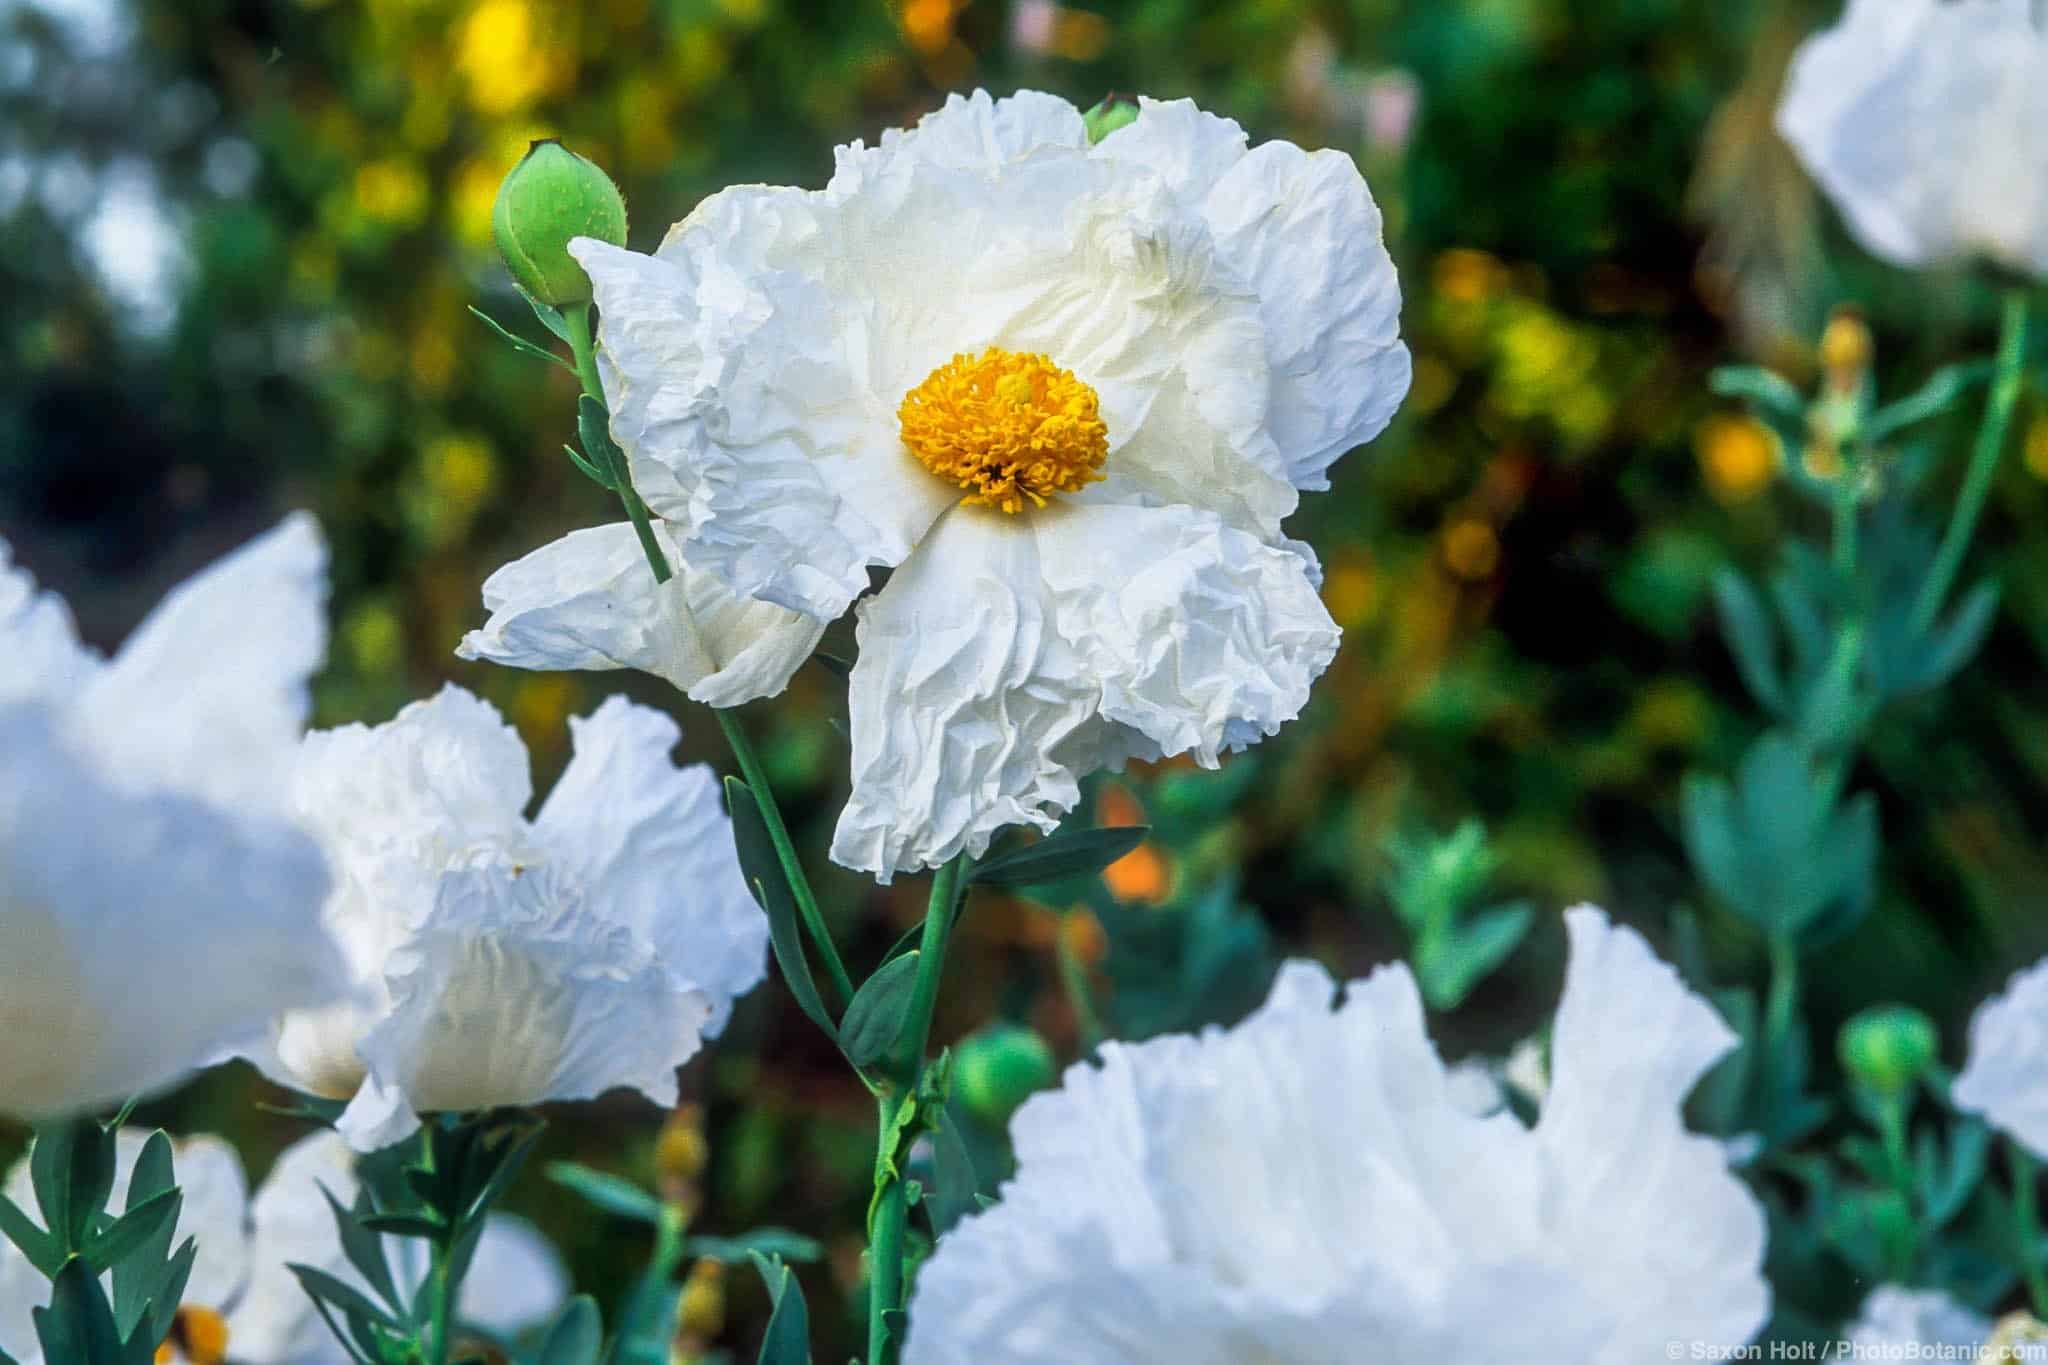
{"type": "Point", "coordinates": [1888, 1047]}
{"type": "Point", "coordinates": [999, 1068]}
{"type": "Point", "coordinates": [550, 197]}
{"type": "Point", "coordinates": [1116, 111]}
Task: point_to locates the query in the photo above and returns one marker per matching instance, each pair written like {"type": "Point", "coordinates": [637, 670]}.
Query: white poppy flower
{"type": "Point", "coordinates": [2006, 1077]}
{"type": "Point", "coordinates": [1926, 121]}
{"type": "Point", "coordinates": [502, 961]}
{"type": "Point", "coordinates": [1895, 1322]}
{"type": "Point", "coordinates": [156, 907]}
{"type": "Point", "coordinates": [1068, 393]}
{"type": "Point", "coordinates": [589, 601]}
{"type": "Point", "coordinates": [240, 1294]}
{"type": "Point", "coordinates": [1305, 1188]}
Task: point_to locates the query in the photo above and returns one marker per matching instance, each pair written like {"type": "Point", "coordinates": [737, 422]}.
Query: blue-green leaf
{"type": "Point", "coordinates": [616, 1196]}
{"type": "Point", "coordinates": [735, 1250]}
{"type": "Point", "coordinates": [788, 1338]}
{"type": "Point", "coordinates": [874, 1018]}
{"type": "Point", "coordinates": [763, 871]}
{"type": "Point", "coordinates": [1065, 853]}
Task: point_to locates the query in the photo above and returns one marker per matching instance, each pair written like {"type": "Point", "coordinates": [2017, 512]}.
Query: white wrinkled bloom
{"type": "Point", "coordinates": [1068, 393]}
{"type": "Point", "coordinates": [589, 601]}
{"type": "Point", "coordinates": [1926, 121]}
{"type": "Point", "coordinates": [1897, 1321]}
{"type": "Point", "coordinates": [506, 961]}
{"type": "Point", "coordinates": [2006, 1077]}
{"type": "Point", "coordinates": [239, 1279]}
{"type": "Point", "coordinates": [1305, 1189]}
{"type": "Point", "coordinates": [156, 907]}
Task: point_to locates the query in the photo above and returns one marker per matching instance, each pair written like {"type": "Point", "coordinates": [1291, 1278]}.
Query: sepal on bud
{"type": "Point", "coordinates": [550, 198]}
{"type": "Point", "coordinates": [1116, 111]}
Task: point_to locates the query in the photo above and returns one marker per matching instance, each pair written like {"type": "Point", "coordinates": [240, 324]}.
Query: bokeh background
{"type": "Point", "coordinates": [238, 239]}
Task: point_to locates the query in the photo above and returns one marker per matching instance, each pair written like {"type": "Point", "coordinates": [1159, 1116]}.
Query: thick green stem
{"type": "Point", "coordinates": [756, 779]}
{"type": "Point", "coordinates": [889, 1216]}
{"type": "Point", "coordinates": [1962, 522]}
{"type": "Point", "coordinates": [576, 317]}
{"type": "Point", "coordinates": [2027, 1222]}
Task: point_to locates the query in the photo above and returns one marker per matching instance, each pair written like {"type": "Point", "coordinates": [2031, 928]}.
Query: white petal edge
{"type": "Point", "coordinates": [590, 601]}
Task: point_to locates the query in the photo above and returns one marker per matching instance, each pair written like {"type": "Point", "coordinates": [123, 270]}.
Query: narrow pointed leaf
{"type": "Point", "coordinates": [790, 1246]}
{"type": "Point", "coordinates": [78, 1326]}
{"type": "Point", "coordinates": [520, 343]}
{"type": "Point", "coordinates": [874, 1017]}
{"type": "Point", "coordinates": [345, 1297]}
{"type": "Point", "coordinates": [549, 317]}
{"type": "Point", "coordinates": [788, 1338]}
{"type": "Point", "coordinates": [616, 1196]}
{"type": "Point", "coordinates": [1751, 639]}
{"type": "Point", "coordinates": [363, 1247]}
{"type": "Point", "coordinates": [1067, 853]}
{"type": "Point", "coordinates": [39, 1247]}
{"type": "Point", "coordinates": [154, 1218]}
{"type": "Point", "coordinates": [764, 874]}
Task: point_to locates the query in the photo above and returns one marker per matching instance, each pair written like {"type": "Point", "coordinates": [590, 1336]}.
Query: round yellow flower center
{"type": "Point", "coordinates": [199, 1336]}
{"type": "Point", "coordinates": [1010, 427]}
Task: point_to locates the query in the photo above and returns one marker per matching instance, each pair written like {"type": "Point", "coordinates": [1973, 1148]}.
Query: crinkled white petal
{"type": "Point", "coordinates": [1302, 230]}
{"type": "Point", "coordinates": [1235, 313]}
{"type": "Point", "coordinates": [209, 694]}
{"type": "Point", "coordinates": [40, 656]}
{"type": "Point", "coordinates": [589, 601]}
{"type": "Point", "coordinates": [1202, 637]}
{"type": "Point", "coordinates": [977, 133]}
{"type": "Point", "coordinates": [443, 780]}
{"type": "Point", "coordinates": [518, 991]}
{"type": "Point", "coordinates": [653, 844]}
{"type": "Point", "coordinates": [962, 703]}
{"type": "Point", "coordinates": [502, 962]}
{"type": "Point", "coordinates": [2006, 1076]}
{"type": "Point", "coordinates": [1927, 124]}
{"type": "Point", "coordinates": [745, 430]}
{"type": "Point", "coordinates": [1013, 656]}
{"type": "Point", "coordinates": [1307, 1183]}
{"type": "Point", "coordinates": [141, 934]}
{"type": "Point", "coordinates": [1895, 1321]}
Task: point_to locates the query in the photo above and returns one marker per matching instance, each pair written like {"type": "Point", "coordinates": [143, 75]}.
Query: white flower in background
{"type": "Point", "coordinates": [1897, 1321]}
{"type": "Point", "coordinates": [506, 961]}
{"type": "Point", "coordinates": [1068, 392]}
{"type": "Point", "coordinates": [1926, 121]}
{"type": "Point", "coordinates": [240, 1295]}
{"type": "Point", "coordinates": [589, 601]}
{"type": "Point", "coordinates": [1305, 1188]}
{"type": "Point", "coordinates": [156, 907]}
{"type": "Point", "coordinates": [2006, 1077]}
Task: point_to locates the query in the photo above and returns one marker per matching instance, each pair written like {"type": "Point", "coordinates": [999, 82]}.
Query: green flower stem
{"type": "Point", "coordinates": [1845, 527]}
{"type": "Point", "coordinates": [756, 779]}
{"type": "Point", "coordinates": [889, 1216]}
{"type": "Point", "coordinates": [2027, 1220]}
{"type": "Point", "coordinates": [576, 317]}
{"type": "Point", "coordinates": [440, 1296]}
{"type": "Point", "coordinates": [1962, 522]}
{"type": "Point", "coordinates": [1074, 980]}
{"type": "Point", "coordinates": [1782, 1001]}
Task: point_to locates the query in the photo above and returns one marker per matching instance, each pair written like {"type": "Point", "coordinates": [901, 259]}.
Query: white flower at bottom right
{"type": "Point", "coordinates": [2005, 1079]}
{"type": "Point", "coordinates": [1304, 1188]}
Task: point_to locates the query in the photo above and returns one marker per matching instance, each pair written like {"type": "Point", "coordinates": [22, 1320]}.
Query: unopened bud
{"type": "Point", "coordinates": [999, 1068]}
{"type": "Point", "coordinates": [1116, 111]}
{"type": "Point", "coordinates": [550, 198]}
{"type": "Point", "coordinates": [1846, 349]}
{"type": "Point", "coordinates": [701, 1311]}
{"type": "Point", "coordinates": [1888, 1047]}
{"type": "Point", "coordinates": [681, 1152]}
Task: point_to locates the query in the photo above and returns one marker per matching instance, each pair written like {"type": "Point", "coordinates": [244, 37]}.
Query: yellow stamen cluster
{"type": "Point", "coordinates": [199, 1336]}
{"type": "Point", "coordinates": [1007, 426]}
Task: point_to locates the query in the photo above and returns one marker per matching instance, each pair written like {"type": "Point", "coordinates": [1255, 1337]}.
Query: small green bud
{"type": "Point", "coordinates": [1116, 111]}
{"type": "Point", "coordinates": [999, 1068]}
{"type": "Point", "coordinates": [550, 197]}
{"type": "Point", "coordinates": [1888, 1047]}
